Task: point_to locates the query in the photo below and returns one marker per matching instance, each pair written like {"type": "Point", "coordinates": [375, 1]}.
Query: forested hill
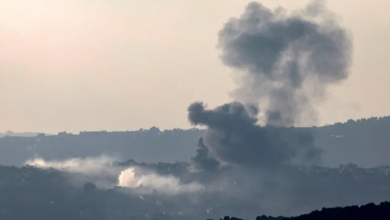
{"type": "Point", "coordinates": [151, 145]}
{"type": "Point", "coordinates": [365, 142]}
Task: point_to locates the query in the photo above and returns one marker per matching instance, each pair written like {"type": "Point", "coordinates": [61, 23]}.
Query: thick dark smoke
{"type": "Point", "coordinates": [202, 160]}
{"type": "Point", "coordinates": [233, 137]}
{"type": "Point", "coordinates": [287, 60]}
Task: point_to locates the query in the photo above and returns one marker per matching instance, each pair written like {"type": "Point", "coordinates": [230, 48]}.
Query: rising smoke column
{"type": "Point", "coordinates": [202, 160]}
{"type": "Point", "coordinates": [234, 137]}
{"type": "Point", "coordinates": [287, 61]}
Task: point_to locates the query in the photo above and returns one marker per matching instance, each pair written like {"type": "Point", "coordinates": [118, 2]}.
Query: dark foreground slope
{"type": "Point", "coordinates": [364, 142]}
{"type": "Point", "coordinates": [364, 212]}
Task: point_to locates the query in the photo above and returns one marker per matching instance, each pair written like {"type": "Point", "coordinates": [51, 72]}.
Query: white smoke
{"type": "Point", "coordinates": [90, 165]}
{"type": "Point", "coordinates": [98, 170]}
{"type": "Point", "coordinates": [102, 172]}
{"type": "Point", "coordinates": [146, 181]}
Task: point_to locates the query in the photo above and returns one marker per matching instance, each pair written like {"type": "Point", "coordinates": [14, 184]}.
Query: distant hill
{"type": "Point", "coordinates": [365, 142]}
{"type": "Point", "coordinates": [150, 145]}
{"type": "Point", "coordinates": [21, 134]}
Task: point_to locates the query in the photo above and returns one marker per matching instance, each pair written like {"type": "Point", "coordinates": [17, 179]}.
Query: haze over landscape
{"type": "Point", "coordinates": [196, 110]}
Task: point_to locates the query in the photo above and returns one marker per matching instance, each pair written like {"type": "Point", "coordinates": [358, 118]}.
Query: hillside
{"type": "Point", "coordinates": [364, 142]}
{"type": "Point", "coordinates": [34, 193]}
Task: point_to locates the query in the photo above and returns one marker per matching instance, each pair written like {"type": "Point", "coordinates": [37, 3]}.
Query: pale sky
{"type": "Point", "coordinates": [75, 65]}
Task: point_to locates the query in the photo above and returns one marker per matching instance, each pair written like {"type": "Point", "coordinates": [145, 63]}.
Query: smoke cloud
{"type": "Point", "coordinates": [89, 165]}
{"type": "Point", "coordinates": [202, 161]}
{"type": "Point", "coordinates": [233, 137]}
{"type": "Point", "coordinates": [104, 172]}
{"type": "Point", "coordinates": [147, 181]}
{"type": "Point", "coordinates": [287, 61]}
{"type": "Point", "coordinates": [99, 170]}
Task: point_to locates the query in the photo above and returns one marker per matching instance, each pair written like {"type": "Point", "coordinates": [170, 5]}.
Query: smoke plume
{"type": "Point", "coordinates": [99, 170]}
{"type": "Point", "coordinates": [287, 61]}
{"type": "Point", "coordinates": [233, 137]}
{"type": "Point", "coordinates": [147, 181]}
{"type": "Point", "coordinates": [202, 161]}
{"type": "Point", "coordinates": [103, 172]}
{"type": "Point", "coordinates": [90, 165]}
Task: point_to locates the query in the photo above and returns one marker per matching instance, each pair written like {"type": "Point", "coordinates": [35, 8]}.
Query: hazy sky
{"type": "Point", "coordinates": [125, 64]}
